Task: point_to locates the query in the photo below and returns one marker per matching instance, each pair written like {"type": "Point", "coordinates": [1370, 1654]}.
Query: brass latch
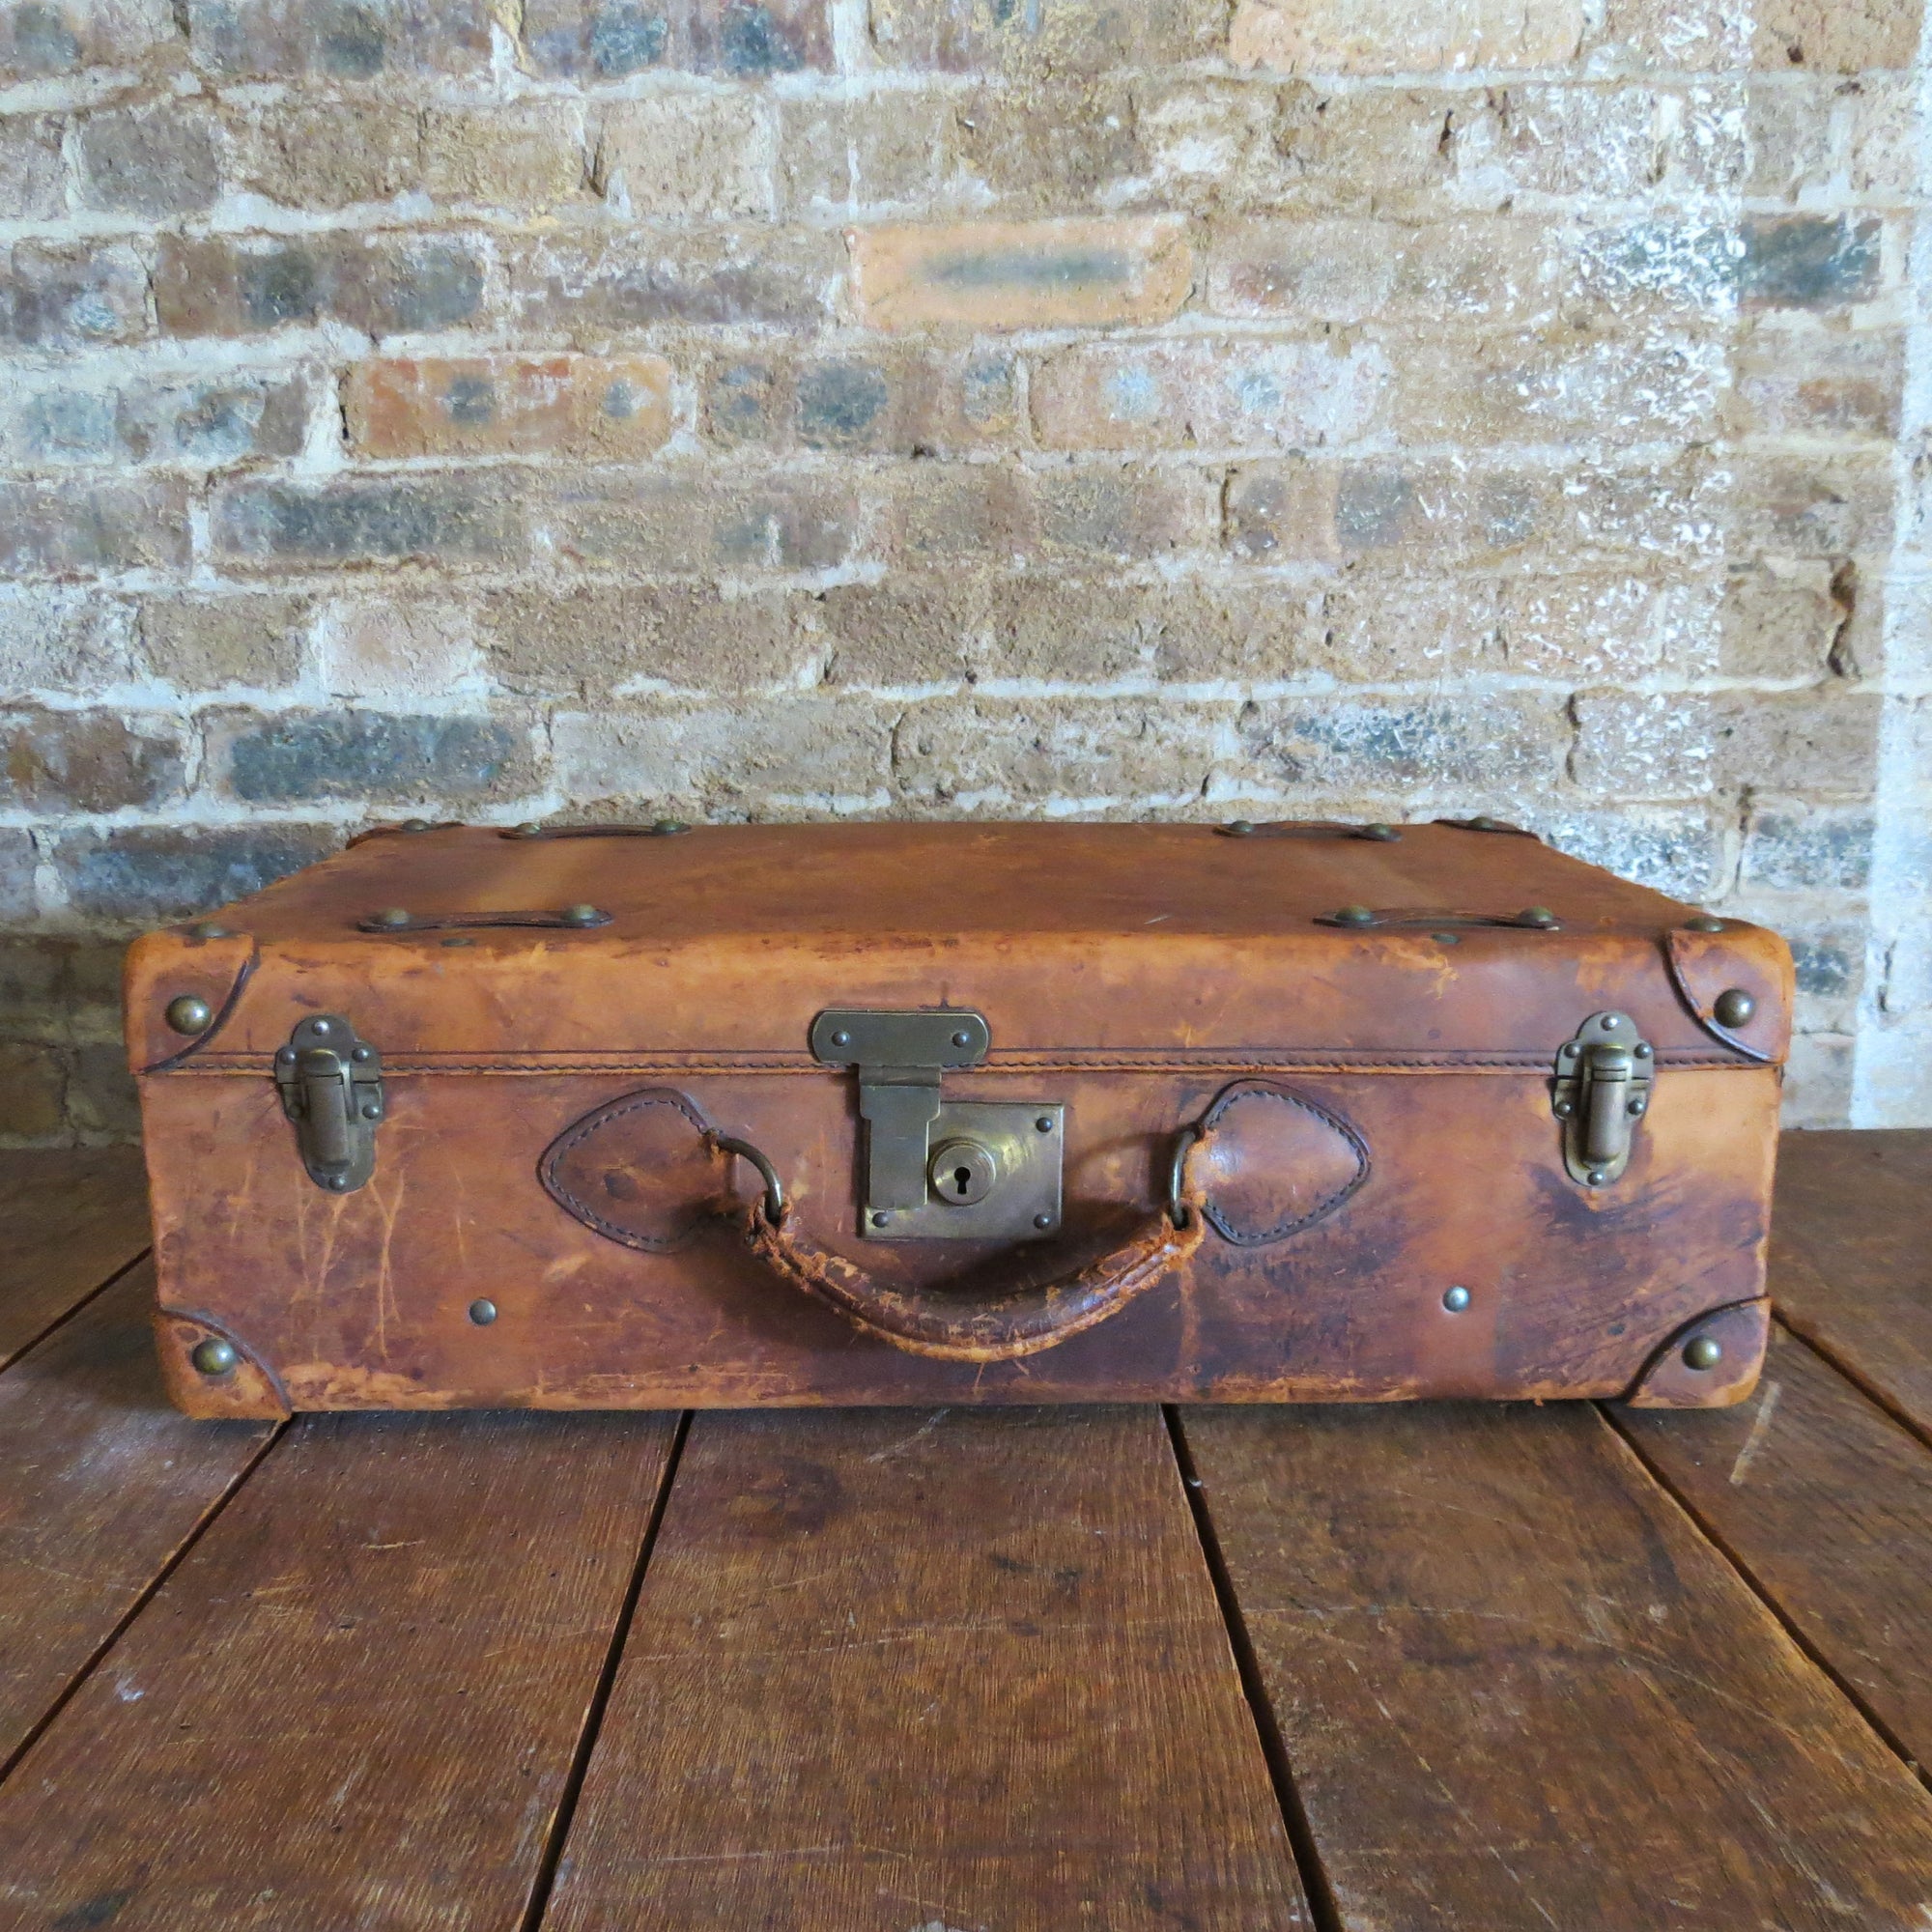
{"type": "Point", "coordinates": [331, 1088]}
{"type": "Point", "coordinates": [1601, 1090]}
{"type": "Point", "coordinates": [939, 1170]}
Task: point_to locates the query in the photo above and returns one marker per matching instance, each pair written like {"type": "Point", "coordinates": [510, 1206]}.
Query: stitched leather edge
{"type": "Point", "coordinates": [1232, 1097]}
{"type": "Point", "coordinates": [580, 1131]}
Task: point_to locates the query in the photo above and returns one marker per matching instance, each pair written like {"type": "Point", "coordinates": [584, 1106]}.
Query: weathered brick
{"type": "Point", "coordinates": [1206, 393]}
{"type": "Point", "coordinates": [162, 159]}
{"type": "Point", "coordinates": [674, 520]}
{"type": "Point", "coordinates": [1828, 958]}
{"type": "Point", "coordinates": [1375, 627]}
{"type": "Point", "coordinates": [1811, 505]}
{"type": "Point", "coordinates": [1809, 260]}
{"type": "Point", "coordinates": [1037, 274]}
{"type": "Point", "coordinates": [1052, 36]}
{"type": "Point", "coordinates": [138, 875]}
{"type": "Point", "coordinates": [79, 528]}
{"type": "Point", "coordinates": [398, 651]}
{"type": "Point", "coordinates": [1402, 35]}
{"type": "Point", "coordinates": [1666, 264]}
{"type": "Point", "coordinates": [1529, 139]}
{"type": "Point", "coordinates": [687, 157]}
{"type": "Point", "coordinates": [88, 761]}
{"type": "Point", "coordinates": [1676, 851]}
{"type": "Point", "coordinates": [1381, 151]}
{"type": "Point", "coordinates": [54, 639]}
{"type": "Point", "coordinates": [203, 422]}
{"type": "Point", "coordinates": [1795, 847]}
{"type": "Point", "coordinates": [299, 757]}
{"type": "Point", "coordinates": [1836, 36]}
{"type": "Point", "coordinates": [1780, 619]}
{"type": "Point", "coordinates": [1820, 743]}
{"type": "Point", "coordinates": [854, 150]}
{"type": "Point", "coordinates": [1476, 751]}
{"type": "Point", "coordinates": [450, 520]}
{"type": "Point", "coordinates": [61, 296]}
{"type": "Point", "coordinates": [897, 402]}
{"type": "Point", "coordinates": [1813, 381]}
{"type": "Point", "coordinates": [593, 639]}
{"type": "Point", "coordinates": [1043, 149]}
{"type": "Point", "coordinates": [1789, 139]}
{"type": "Point", "coordinates": [906, 632]}
{"type": "Point", "coordinates": [101, 1101]}
{"type": "Point", "coordinates": [605, 40]}
{"type": "Point", "coordinates": [32, 180]}
{"type": "Point", "coordinates": [560, 285]}
{"type": "Point", "coordinates": [1883, 140]}
{"type": "Point", "coordinates": [1596, 625]}
{"type": "Point", "coordinates": [203, 643]}
{"type": "Point", "coordinates": [338, 39]}
{"type": "Point", "coordinates": [32, 1094]}
{"type": "Point", "coordinates": [785, 753]}
{"type": "Point", "coordinates": [18, 863]}
{"type": "Point", "coordinates": [37, 994]}
{"type": "Point", "coordinates": [1630, 745]}
{"type": "Point", "coordinates": [606, 408]}
{"type": "Point", "coordinates": [41, 37]}
{"type": "Point", "coordinates": [1680, 35]}
{"type": "Point", "coordinates": [385, 284]}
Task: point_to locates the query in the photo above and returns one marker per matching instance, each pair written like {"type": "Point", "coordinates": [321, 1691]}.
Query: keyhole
{"type": "Point", "coordinates": [962, 1173]}
{"type": "Point", "coordinates": [962, 1180]}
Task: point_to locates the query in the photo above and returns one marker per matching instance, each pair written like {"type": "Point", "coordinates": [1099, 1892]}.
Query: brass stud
{"type": "Point", "coordinates": [482, 1312]}
{"type": "Point", "coordinates": [1241, 827]}
{"type": "Point", "coordinates": [1703, 1352]}
{"type": "Point", "coordinates": [215, 1356]}
{"type": "Point", "coordinates": [1483, 822]}
{"type": "Point", "coordinates": [392, 916]}
{"type": "Point", "coordinates": [962, 1040]}
{"type": "Point", "coordinates": [415, 825]}
{"type": "Point", "coordinates": [1043, 1220]}
{"type": "Point", "coordinates": [1044, 1124]}
{"type": "Point", "coordinates": [1536, 915]}
{"type": "Point", "coordinates": [581, 915]}
{"type": "Point", "coordinates": [1380, 833]}
{"type": "Point", "coordinates": [1354, 915]}
{"type": "Point", "coordinates": [529, 829]}
{"type": "Point", "coordinates": [1597, 1177]}
{"type": "Point", "coordinates": [1563, 1110]}
{"type": "Point", "coordinates": [668, 827]}
{"type": "Point", "coordinates": [190, 1012]}
{"type": "Point", "coordinates": [841, 1040]}
{"type": "Point", "coordinates": [1703, 923]}
{"type": "Point", "coordinates": [1456, 1300]}
{"type": "Point", "coordinates": [1734, 1006]}
{"type": "Point", "coordinates": [458, 940]}
{"type": "Point", "coordinates": [207, 929]}
{"type": "Point", "coordinates": [879, 1220]}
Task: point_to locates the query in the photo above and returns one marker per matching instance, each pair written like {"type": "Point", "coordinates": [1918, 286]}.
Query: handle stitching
{"type": "Point", "coordinates": [1232, 1098]}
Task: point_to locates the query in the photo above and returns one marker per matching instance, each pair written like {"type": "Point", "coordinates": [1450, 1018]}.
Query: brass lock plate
{"type": "Point", "coordinates": [992, 1173]}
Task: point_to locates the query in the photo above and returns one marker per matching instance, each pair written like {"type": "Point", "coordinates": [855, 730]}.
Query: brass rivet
{"type": "Point", "coordinates": [1637, 1106]}
{"type": "Point", "coordinates": [962, 1040]}
{"type": "Point", "coordinates": [1043, 1220]}
{"type": "Point", "coordinates": [1597, 1177]}
{"type": "Point", "coordinates": [1642, 1049]}
{"type": "Point", "coordinates": [841, 1040]}
{"type": "Point", "coordinates": [1734, 1006]}
{"type": "Point", "coordinates": [666, 828]}
{"type": "Point", "coordinates": [529, 829]}
{"type": "Point", "coordinates": [1537, 915]}
{"type": "Point", "coordinates": [1379, 831]}
{"type": "Point", "coordinates": [1241, 827]}
{"type": "Point", "coordinates": [482, 1312]}
{"type": "Point", "coordinates": [415, 825]}
{"type": "Point", "coordinates": [1354, 915]}
{"type": "Point", "coordinates": [1703, 1352]}
{"type": "Point", "coordinates": [458, 940]}
{"type": "Point", "coordinates": [581, 915]}
{"type": "Point", "coordinates": [1447, 938]}
{"type": "Point", "coordinates": [392, 916]}
{"type": "Point", "coordinates": [189, 1014]}
{"type": "Point", "coordinates": [1044, 1124]}
{"type": "Point", "coordinates": [880, 1220]}
{"type": "Point", "coordinates": [1703, 923]}
{"type": "Point", "coordinates": [1456, 1300]}
{"type": "Point", "coordinates": [1482, 822]}
{"type": "Point", "coordinates": [215, 1356]}
{"type": "Point", "coordinates": [1563, 1110]}
{"type": "Point", "coordinates": [208, 929]}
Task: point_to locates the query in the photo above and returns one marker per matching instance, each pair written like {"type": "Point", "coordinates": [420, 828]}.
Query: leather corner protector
{"type": "Point", "coordinates": [247, 1392]}
{"type": "Point", "coordinates": [1276, 1163]}
{"type": "Point", "coordinates": [167, 967]}
{"type": "Point", "coordinates": [1704, 966]}
{"type": "Point", "coordinates": [640, 1171]}
{"type": "Point", "coordinates": [1673, 1378]}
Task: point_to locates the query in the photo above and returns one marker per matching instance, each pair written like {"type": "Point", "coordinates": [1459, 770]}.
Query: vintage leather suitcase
{"type": "Point", "coordinates": [649, 1117]}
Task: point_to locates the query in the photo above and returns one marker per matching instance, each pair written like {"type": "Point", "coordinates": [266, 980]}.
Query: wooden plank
{"type": "Point", "coordinates": [357, 1701]}
{"type": "Point", "coordinates": [1827, 1502]}
{"type": "Point", "coordinates": [1516, 1689]}
{"type": "Point", "coordinates": [69, 1220]}
{"type": "Point", "coordinates": [896, 1670]}
{"type": "Point", "coordinates": [1851, 1258]}
{"type": "Point", "coordinates": [104, 1484]}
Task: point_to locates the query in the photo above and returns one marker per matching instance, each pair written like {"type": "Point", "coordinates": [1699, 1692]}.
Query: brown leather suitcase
{"type": "Point", "coordinates": [653, 1117]}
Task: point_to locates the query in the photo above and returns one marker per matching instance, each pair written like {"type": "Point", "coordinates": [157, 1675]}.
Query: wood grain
{"type": "Point", "coordinates": [355, 1702]}
{"type": "Point", "coordinates": [1827, 1503]}
{"type": "Point", "coordinates": [925, 1669]}
{"type": "Point", "coordinates": [1516, 1689]}
{"type": "Point", "coordinates": [105, 1482]}
{"type": "Point", "coordinates": [69, 1220]}
{"type": "Point", "coordinates": [1851, 1266]}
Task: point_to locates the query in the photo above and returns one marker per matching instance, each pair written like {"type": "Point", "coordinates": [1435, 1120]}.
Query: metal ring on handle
{"type": "Point", "coordinates": [1183, 1143]}
{"type": "Point", "coordinates": [775, 1201]}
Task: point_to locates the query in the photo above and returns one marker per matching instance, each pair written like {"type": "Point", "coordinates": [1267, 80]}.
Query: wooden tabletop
{"type": "Point", "coordinates": [1065, 1670]}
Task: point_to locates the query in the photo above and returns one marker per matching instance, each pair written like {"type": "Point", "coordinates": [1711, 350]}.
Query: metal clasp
{"type": "Point", "coordinates": [330, 1084]}
{"type": "Point", "coordinates": [964, 1170]}
{"type": "Point", "coordinates": [1601, 1090]}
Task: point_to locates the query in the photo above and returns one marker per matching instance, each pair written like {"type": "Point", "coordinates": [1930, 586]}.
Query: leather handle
{"type": "Point", "coordinates": [1001, 1330]}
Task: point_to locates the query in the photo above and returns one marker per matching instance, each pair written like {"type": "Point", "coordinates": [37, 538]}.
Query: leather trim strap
{"type": "Point", "coordinates": [990, 1331]}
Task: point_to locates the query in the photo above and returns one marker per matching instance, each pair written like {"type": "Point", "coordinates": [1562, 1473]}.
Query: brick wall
{"type": "Point", "coordinates": [495, 407]}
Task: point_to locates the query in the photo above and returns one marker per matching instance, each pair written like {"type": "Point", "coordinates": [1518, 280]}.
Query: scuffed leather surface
{"type": "Point", "coordinates": [639, 1171]}
{"type": "Point", "coordinates": [1277, 1163]}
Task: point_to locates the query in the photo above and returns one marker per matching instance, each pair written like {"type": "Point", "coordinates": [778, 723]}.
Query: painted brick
{"type": "Point", "coordinates": [42, 37]}
{"type": "Point", "coordinates": [88, 761]}
{"type": "Point", "coordinates": [205, 643]}
{"type": "Point", "coordinates": [337, 39]}
{"type": "Point", "coordinates": [203, 423]}
{"type": "Point", "coordinates": [1051, 35]}
{"type": "Point", "coordinates": [1836, 36]}
{"type": "Point", "coordinates": [59, 296]}
{"type": "Point", "coordinates": [384, 284]}
{"type": "Point", "coordinates": [604, 408]}
{"type": "Point", "coordinates": [1043, 274]}
{"type": "Point", "coordinates": [1675, 850]}
{"type": "Point", "coordinates": [1814, 381]}
{"type": "Point", "coordinates": [744, 40]}
{"type": "Point", "coordinates": [787, 754]}
{"type": "Point", "coordinates": [1797, 847]}
{"type": "Point", "coordinates": [585, 289]}
{"type": "Point", "coordinates": [450, 519]}
{"type": "Point", "coordinates": [1207, 393]}
{"type": "Point", "coordinates": [138, 875]}
{"type": "Point", "coordinates": [32, 180]}
{"type": "Point", "coordinates": [1809, 260]}
{"type": "Point", "coordinates": [672, 521]}
{"type": "Point", "coordinates": [1402, 35]}
{"type": "Point", "coordinates": [687, 157]}
{"type": "Point", "coordinates": [157, 161]}
{"type": "Point", "coordinates": [372, 757]}
{"type": "Point", "coordinates": [54, 638]}
{"type": "Point", "coordinates": [80, 528]}
{"type": "Point", "coordinates": [587, 641]}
